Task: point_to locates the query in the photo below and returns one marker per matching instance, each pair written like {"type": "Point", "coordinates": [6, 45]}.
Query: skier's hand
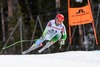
{"type": "Point", "coordinates": [42, 37]}
{"type": "Point", "coordinates": [62, 42]}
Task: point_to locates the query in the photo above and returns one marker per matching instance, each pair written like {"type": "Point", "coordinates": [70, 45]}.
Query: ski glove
{"type": "Point", "coordinates": [62, 42]}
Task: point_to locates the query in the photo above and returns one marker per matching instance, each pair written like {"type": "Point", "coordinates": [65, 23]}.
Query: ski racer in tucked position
{"type": "Point", "coordinates": [54, 31]}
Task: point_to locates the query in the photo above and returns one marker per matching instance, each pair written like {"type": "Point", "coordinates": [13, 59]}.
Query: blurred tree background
{"type": "Point", "coordinates": [26, 20]}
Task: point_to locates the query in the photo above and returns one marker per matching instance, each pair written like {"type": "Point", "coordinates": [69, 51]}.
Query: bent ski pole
{"type": "Point", "coordinates": [17, 43]}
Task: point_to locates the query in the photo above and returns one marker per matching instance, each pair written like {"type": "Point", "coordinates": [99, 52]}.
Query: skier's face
{"type": "Point", "coordinates": [58, 21]}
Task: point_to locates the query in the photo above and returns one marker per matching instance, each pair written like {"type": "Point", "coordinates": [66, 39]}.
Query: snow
{"type": "Point", "coordinates": [63, 59]}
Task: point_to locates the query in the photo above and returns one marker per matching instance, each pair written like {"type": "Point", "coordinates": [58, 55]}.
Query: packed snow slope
{"type": "Point", "coordinates": [63, 59]}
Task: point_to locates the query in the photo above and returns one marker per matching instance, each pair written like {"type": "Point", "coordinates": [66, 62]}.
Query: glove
{"type": "Point", "coordinates": [62, 42]}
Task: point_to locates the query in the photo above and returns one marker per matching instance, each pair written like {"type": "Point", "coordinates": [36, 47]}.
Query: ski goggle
{"type": "Point", "coordinates": [59, 20]}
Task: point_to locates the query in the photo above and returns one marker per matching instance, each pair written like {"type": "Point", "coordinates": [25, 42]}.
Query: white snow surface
{"type": "Point", "coordinates": [62, 59]}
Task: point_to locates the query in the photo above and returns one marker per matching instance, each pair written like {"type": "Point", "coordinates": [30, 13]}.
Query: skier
{"type": "Point", "coordinates": [54, 31]}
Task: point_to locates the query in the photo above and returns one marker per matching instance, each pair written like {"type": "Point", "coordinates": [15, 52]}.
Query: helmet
{"type": "Point", "coordinates": [60, 17]}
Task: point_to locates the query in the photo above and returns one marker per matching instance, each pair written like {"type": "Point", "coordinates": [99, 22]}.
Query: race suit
{"type": "Point", "coordinates": [53, 32]}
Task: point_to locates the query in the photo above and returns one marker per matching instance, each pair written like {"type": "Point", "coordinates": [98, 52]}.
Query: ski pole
{"type": "Point", "coordinates": [17, 43]}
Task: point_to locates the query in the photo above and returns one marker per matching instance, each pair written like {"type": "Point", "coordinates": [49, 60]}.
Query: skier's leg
{"type": "Point", "coordinates": [35, 45]}
{"type": "Point", "coordinates": [48, 44]}
{"type": "Point", "coordinates": [52, 41]}
{"type": "Point", "coordinates": [31, 48]}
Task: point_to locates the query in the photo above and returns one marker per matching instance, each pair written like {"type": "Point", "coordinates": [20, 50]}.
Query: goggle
{"type": "Point", "coordinates": [59, 20]}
